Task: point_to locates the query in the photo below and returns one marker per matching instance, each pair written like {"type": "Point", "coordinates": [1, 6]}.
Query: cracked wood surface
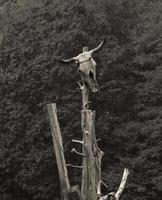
{"type": "Point", "coordinates": [59, 151]}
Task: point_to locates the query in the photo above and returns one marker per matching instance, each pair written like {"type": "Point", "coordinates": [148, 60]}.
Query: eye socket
{"type": "Point", "coordinates": [91, 74]}
{"type": "Point", "coordinates": [79, 71]}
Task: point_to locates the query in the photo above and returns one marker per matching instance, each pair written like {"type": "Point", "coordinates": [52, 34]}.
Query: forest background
{"type": "Point", "coordinates": [33, 35]}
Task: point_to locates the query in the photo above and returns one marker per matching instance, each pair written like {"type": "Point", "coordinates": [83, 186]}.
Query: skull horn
{"type": "Point", "coordinates": [67, 60]}
{"type": "Point", "coordinates": [99, 46]}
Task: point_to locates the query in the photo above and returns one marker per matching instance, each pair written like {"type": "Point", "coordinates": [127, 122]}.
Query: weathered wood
{"type": "Point", "coordinates": [116, 196]}
{"type": "Point", "coordinates": [75, 193]}
{"type": "Point", "coordinates": [98, 154]}
{"type": "Point", "coordinates": [85, 97]}
{"type": "Point", "coordinates": [88, 189]}
{"type": "Point", "coordinates": [122, 184]}
{"type": "Point", "coordinates": [59, 151]}
{"type": "Point", "coordinates": [78, 141]}
{"type": "Point", "coordinates": [91, 161]}
{"type": "Point", "coordinates": [77, 152]}
{"type": "Point", "coordinates": [91, 172]}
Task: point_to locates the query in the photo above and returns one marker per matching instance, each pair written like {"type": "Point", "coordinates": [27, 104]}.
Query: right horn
{"type": "Point", "coordinates": [99, 46]}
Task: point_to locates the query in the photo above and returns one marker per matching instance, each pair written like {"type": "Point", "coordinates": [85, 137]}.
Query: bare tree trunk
{"type": "Point", "coordinates": [91, 171]}
{"type": "Point", "coordinates": [59, 151]}
{"type": "Point", "coordinates": [91, 154]}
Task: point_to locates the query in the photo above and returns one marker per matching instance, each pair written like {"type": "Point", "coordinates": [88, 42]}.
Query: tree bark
{"type": "Point", "coordinates": [59, 151]}
{"type": "Point", "coordinates": [91, 171]}
{"type": "Point", "coordinates": [88, 189]}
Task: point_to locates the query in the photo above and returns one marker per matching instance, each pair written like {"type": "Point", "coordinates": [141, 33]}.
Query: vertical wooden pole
{"type": "Point", "coordinates": [91, 172]}
{"type": "Point", "coordinates": [59, 151]}
{"type": "Point", "coordinates": [88, 174]}
{"type": "Point", "coordinates": [85, 106]}
{"type": "Point", "coordinates": [85, 97]}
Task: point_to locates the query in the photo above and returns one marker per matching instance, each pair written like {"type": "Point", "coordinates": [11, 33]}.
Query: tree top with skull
{"type": "Point", "coordinates": [87, 66]}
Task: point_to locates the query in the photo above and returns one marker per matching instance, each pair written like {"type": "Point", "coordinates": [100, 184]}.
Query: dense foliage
{"type": "Point", "coordinates": [128, 106]}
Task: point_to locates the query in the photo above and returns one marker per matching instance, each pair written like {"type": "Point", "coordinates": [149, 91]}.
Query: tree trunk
{"type": "Point", "coordinates": [91, 172]}
{"type": "Point", "coordinates": [59, 151]}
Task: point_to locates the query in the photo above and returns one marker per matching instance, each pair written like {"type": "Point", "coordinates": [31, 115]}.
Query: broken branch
{"type": "Point", "coordinates": [75, 151]}
{"type": "Point", "coordinates": [75, 166]}
{"type": "Point", "coordinates": [78, 141]}
{"type": "Point", "coordinates": [122, 184]}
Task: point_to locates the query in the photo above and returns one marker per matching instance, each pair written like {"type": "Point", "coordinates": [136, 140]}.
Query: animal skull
{"type": "Point", "coordinates": [87, 66]}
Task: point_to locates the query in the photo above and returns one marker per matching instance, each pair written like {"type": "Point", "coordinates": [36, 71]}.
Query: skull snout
{"type": "Point", "coordinates": [89, 75]}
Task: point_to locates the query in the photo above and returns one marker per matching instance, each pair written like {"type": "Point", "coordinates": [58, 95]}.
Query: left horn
{"type": "Point", "coordinates": [67, 60]}
{"type": "Point", "coordinates": [99, 46]}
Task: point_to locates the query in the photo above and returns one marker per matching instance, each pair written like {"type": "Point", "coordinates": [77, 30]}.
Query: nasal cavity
{"type": "Point", "coordinates": [91, 74]}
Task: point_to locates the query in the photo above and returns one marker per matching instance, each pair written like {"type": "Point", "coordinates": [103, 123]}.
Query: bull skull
{"type": "Point", "coordinates": [87, 66]}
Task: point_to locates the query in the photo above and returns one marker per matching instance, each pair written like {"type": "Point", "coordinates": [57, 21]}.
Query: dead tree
{"type": "Point", "coordinates": [91, 154]}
